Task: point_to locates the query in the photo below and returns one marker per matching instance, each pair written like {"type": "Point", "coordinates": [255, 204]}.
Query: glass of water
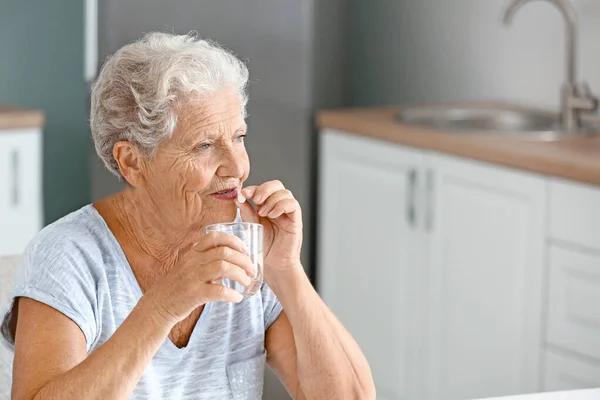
{"type": "Point", "coordinates": [252, 235]}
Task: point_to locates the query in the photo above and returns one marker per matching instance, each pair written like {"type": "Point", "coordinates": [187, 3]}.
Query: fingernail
{"type": "Point", "coordinates": [247, 192]}
{"type": "Point", "coordinates": [245, 247]}
{"type": "Point", "coordinates": [261, 212]}
{"type": "Point", "coordinates": [241, 198]}
{"type": "Point", "coordinates": [257, 199]}
{"type": "Point", "coordinates": [272, 214]}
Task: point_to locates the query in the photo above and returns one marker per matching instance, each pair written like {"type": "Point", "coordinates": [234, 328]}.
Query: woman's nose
{"type": "Point", "coordinates": [232, 165]}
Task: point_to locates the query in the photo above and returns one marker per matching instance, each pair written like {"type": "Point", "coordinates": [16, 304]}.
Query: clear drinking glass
{"type": "Point", "coordinates": [252, 235]}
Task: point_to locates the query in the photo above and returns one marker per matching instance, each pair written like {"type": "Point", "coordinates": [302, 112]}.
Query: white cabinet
{"type": "Point", "coordinates": [574, 301]}
{"type": "Point", "coordinates": [435, 265]}
{"type": "Point", "coordinates": [369, 255]}
{"type": "Point", "coordinates": [574, 213]}
{"type": "Point", "coordinates": [569, 373]}
{"type": "Point", "coordinates": [573, 293]}
{"type": "Point", "coordinates": [20, 188]}
{"type": "Point", "coordinates": [486, 250]}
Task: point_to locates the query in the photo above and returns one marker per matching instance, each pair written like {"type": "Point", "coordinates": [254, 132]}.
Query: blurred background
{"type": "Point", "coordinates": [465, 266]}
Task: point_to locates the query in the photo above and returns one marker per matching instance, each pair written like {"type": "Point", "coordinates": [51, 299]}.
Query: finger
{"type": "Point", "coordinates": [265, 190]}
{"type": "Point", "coordinates": [248, 213]}
{"type": "Point", "coordinates": [248, 191]}
{"type": "Point", "coordinates": [272, 200]}
{"type": "Point", "coordinates": [218, 270]}
{"type": "Point", "coordinates": [231, 256]}
{"type": "Point", "coordinates": [286, 206]}
{"type": "Point", "coordinates": [218, 292]}
{"type": "Point", "coordinates": [221, 239]}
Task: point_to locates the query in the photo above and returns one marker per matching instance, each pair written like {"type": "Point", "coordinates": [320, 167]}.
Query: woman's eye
{"type": "Point", "coordinates": [204, 146]}
{"type": "Point", "coordinates": [240, 138]}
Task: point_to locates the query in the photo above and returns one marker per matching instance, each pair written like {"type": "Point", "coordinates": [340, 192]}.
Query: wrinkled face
{"type": "Point", "coordinates": [205, 157]}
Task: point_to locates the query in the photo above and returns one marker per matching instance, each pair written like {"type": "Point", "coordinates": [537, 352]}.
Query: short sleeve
{"type": "Point", "coordinates": [271, 305]}
{"type": "Point", "coordinates": [56, 269]}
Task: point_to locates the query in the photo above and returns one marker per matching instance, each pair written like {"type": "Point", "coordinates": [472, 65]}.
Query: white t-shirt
{"type": "Point", "coordinates": [76, 266]}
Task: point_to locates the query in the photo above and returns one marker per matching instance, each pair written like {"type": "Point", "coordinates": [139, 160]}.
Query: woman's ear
{"type": "Point", "coordinates": [130, 160]}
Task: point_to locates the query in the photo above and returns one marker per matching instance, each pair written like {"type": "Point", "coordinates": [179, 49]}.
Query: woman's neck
{"type": "Point", "coordinates": [151, 241]}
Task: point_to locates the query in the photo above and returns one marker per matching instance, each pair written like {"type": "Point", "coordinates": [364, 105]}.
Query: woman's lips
{"type": "Point", "coordinates": [229, 194]}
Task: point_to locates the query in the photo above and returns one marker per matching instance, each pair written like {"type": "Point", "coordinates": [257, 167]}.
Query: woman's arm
{"type": "Point", "coordinates": [309, 349]}
{"type": "Point", "coordinates": [51, 361]}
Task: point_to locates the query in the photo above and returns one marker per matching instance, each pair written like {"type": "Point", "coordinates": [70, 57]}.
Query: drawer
{"type": "Point", "coordinates": [574, 213]}
{"type": "Point", "coordinates": [20, 188]}
{"type": "Point", "coordinates": [574, 301]}
{"type": "Point", "coordinates": [563, 372]}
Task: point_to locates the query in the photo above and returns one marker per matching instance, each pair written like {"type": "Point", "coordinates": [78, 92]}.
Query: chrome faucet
{"type": "Point", "coordinates": [575, 98]}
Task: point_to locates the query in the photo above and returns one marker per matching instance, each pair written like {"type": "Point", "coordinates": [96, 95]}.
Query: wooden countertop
{"type": "Point", "coordinates": [573, 158]}
{"type": "Point", "coordinates": [13, 118]}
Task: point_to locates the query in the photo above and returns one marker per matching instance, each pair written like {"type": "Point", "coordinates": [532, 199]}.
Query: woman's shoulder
{"type": "Point", "coordinates": [75, 239]}
{"type": "Point", "coordinates": [61, 267]}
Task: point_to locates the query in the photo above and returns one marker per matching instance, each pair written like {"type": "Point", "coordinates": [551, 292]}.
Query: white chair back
{"type": "Point", "coordinates": [8, 268]}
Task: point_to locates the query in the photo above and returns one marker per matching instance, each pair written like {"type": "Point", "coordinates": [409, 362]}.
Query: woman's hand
{"type": "Point", "coordinates": [195, 281]}
{"type": "Point", "coordinates": [280, 214]}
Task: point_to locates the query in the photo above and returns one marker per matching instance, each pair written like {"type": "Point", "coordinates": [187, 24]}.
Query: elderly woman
{"type": "Point", "coordinates": [123, 298]}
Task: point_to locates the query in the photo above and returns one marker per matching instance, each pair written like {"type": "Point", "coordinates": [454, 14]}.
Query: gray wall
{"type": "Point", "coordinates": [41, 66]}
{"type": "Point", "coordinates": [438, 50]}
{"type": "Point", "coordinates": [294, 52]}
{"type": "Point", "coordinates": [276, 38]}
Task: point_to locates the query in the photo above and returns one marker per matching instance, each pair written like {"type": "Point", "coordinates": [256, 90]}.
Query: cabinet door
{"type": "Point", "coordinates": [573, 213]}
{"type": "Point", "coordinates": [569, 373]}
{"type": "Point", "coordinates": [20, 189]}
{"type": "Point", "coordinates": [574, 301]}
{"type": "Point", "coordinates": [368, 253]}
{"type": "Point", "coordinates": [485, 292]}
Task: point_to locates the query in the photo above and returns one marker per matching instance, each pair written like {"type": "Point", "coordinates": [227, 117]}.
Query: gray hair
{"type": "Point", "coordinates": [140, 88]}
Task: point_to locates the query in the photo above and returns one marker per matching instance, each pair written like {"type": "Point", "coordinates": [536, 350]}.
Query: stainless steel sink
{"type": "Point", "coordinates": [578, 104]}
{"type": "Point", "coordinates": [489, 119]}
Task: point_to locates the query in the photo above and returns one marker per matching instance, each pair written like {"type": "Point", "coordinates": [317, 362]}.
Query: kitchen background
{"type": "Point", "coordinates": [305, 56]}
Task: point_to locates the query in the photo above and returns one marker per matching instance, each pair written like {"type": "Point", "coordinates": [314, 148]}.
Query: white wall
{"type": "Point", "coordinates": [442, 50]}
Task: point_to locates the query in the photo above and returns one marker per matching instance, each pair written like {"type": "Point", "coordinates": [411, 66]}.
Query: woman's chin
{"type": "Point", "coordinates": [218, 213]}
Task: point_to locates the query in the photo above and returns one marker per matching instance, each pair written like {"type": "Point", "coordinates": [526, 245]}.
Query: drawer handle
{"type": "Point", "coordinates": [429, 199]}
{"type": "Point", "coordinates": [15, 194]}
{"type": "Point", "coordinates": [411, 212]}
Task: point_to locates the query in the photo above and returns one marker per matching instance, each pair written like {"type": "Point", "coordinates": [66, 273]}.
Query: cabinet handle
{"type": "Point", "coordinates": [429, 200]}
{"type": "Point", "coordinates": [15, 194]}
{"type": "Point", "coordinates": [411, 212]}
